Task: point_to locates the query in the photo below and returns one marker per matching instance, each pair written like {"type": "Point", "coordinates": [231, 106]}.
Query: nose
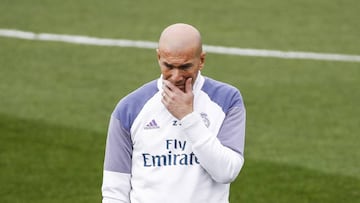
{"type": "Point", "coordinates": [176, 75]}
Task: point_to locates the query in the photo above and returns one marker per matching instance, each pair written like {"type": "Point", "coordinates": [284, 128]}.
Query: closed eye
{"type": "Point", "coordinates": [181, 67]}
{"type": "Point", "coordinates": [169, 66]}
{"type": "Point", "coordinates": [185, 66]}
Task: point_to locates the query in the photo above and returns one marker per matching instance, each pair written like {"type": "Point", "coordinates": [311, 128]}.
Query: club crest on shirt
{"type": "Point", "coordinates": [205, 118]}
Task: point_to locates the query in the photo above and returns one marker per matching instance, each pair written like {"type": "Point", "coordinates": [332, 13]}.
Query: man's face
{"type": "Point", "coordinates": [178, 67]}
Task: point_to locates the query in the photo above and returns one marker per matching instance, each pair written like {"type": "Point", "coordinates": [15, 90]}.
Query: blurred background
{"type": "Point", "coordinates": [303, 118]}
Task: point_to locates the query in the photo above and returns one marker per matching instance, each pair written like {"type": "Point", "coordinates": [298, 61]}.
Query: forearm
{"type": "Point", "coordinates": [222, 163]}
{"type": "Point", "coordinates": [116, 187]}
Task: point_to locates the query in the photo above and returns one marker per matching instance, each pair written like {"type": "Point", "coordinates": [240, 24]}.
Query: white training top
{"type": "Point", "coordinates": [151, 157]}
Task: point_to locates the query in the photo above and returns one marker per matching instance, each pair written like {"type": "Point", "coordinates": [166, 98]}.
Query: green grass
{"type": "Point", "coordinates": [263, 181]}
{"type": "Point", "coordinates": [321, 25]}
{"type": "Point", "coordinates": [43, 162]}
{"type": "Point", "coordinates": [302, 115]}
{"type": "Point", "coordinates": [50, 163]}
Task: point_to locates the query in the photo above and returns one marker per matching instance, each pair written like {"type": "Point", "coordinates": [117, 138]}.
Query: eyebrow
{"type": "Point", "coordinates": [186, 65]}
{"type": "Point", "coordinates": [182, 66]}
{"type": "Point", "coordinates": [168, 65]}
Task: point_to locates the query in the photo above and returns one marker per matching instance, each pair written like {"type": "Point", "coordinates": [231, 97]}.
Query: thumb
{"type": "Point", "coordinates": [188, 85]}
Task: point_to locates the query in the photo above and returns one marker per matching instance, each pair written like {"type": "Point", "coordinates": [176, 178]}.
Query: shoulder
{"type": "Point", "coordinates": [130, 106]}
{"type": "Point", "coordinates": [225, 95]}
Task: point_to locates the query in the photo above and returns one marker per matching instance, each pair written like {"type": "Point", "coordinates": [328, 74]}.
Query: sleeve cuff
{"type": "Point", "coordinates": [190, 119]}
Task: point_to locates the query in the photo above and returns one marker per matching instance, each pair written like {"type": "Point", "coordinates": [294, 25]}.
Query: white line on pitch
{"type": "Point", "coordinates": [76, 39]}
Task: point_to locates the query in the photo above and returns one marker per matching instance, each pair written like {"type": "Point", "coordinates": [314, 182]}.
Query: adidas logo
{"type": "Point", "coordinates": [151, 125]}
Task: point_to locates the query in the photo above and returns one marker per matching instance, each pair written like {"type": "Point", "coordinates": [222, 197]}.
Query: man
{"type": "Point", "coordinates": [179, 138]}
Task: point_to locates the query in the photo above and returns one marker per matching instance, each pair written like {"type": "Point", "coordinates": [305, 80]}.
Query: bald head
{"type": "Point", "coordinates": [180, 55]}
{"type": "Point", "coordinates": [180, 38]}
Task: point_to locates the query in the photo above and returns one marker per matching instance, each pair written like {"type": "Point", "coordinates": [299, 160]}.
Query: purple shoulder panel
{"type": "Point", "coordinates": [225, 95]}
{"type": "Point", "coordinates": [129, 107]}
{"type": "Point", "coordinates": [232, 131]}
{"type": "Point", "coordinates": [118, 153]}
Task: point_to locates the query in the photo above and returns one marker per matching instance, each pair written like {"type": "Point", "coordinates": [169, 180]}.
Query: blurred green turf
{"type": "Point", "coordinates": [262, 181]}
{"type": "Point", "coordinates": [307, 25]}
{"type": "Point", "coordinates": [303, 115]}
{"type": "Point", "coordinates": [43, 162]}
{"type": "Point", "coordinates": [51, 163]}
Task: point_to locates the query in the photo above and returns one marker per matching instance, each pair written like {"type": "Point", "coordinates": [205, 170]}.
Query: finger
{"type": "Point", "coordinates": [171, 87]}
{"type": "Point", "coordinates": [166, 90]}
{"type": "Point", "coordinates": [164, 83]}
{"type": "Point", "coordinates": [168, 85]}
{"type": "Point", "coordinates": [188, 85]}
{"type": "Point", "coordinates": [163, 97]}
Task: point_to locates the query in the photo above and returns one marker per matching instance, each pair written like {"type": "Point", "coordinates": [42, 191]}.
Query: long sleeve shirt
{"type": "Point", "coordinates": [151, 156]}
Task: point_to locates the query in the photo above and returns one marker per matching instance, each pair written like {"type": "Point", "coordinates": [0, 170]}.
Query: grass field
{"type": "Point", "coordinates": [303, 118]}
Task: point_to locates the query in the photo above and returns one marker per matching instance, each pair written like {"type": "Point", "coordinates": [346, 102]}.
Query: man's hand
{"type": "Point", "coordinates": [178, 103]}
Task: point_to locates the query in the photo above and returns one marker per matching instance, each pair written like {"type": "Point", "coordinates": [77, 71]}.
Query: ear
{"type": "Point", "coordinates": [158, 54]}
{"type": "Point", "coordinates": [202, 60]}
